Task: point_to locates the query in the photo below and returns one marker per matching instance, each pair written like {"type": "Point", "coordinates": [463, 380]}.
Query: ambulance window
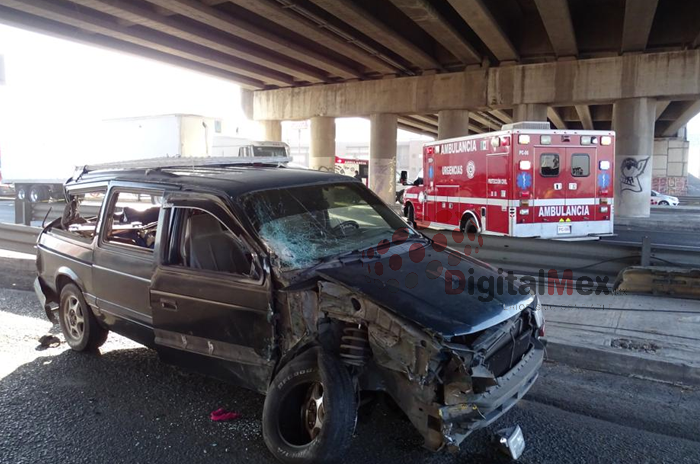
{"type": "Point", "coordinates": [580, 165]}
{"type": "Point", "coordinates": [549, 164]}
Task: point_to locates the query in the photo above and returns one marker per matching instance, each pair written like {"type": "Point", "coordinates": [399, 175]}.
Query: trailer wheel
{"type": "Point", "coordinates": [21, 192]}
{"type": "Point", "coordinates": [38, 193]}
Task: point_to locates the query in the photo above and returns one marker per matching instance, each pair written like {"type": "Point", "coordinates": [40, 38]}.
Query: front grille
{"type": "Point", "coordinates": [520, 339]}
{"type": "Point", "coordinates": [508, 356]}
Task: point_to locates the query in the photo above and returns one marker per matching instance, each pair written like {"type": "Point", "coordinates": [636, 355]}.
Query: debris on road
{"type": "Point", "coordinates": [49, 341]}
{"type": "Point", "coordinates": [511, 441]}
{"type": "Point", "coordinates": [222, 415]}
{"type": "Point", "coordinates": [634, 345]}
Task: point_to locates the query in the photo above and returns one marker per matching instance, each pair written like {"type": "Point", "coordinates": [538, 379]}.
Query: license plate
{"type": "Point", "coordinates": [564, 229]}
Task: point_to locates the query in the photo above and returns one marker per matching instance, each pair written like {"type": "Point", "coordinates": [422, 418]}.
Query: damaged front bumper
{"type": "Point", "coordinates": [460, 420]}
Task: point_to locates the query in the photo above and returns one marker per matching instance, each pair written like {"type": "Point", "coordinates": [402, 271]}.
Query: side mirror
{"type": "Point", "coordinates": [404, 177]}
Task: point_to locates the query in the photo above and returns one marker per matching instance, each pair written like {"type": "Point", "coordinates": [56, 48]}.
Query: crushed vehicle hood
{"type": "Point", "coordinates": [423, 298]}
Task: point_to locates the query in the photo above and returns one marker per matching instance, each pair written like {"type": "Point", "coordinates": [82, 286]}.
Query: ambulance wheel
{"type": "Point", "coordinates": [469, 225]}
{"type": "Point", "coordinates": [410, 215]}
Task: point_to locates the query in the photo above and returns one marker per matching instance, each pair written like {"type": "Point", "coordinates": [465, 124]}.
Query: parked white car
{"type": "Point", "coordinates": [661, 199]}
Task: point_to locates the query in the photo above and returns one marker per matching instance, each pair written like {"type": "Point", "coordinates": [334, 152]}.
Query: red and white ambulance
{"type": "Point", "coordinates": [526, 180]}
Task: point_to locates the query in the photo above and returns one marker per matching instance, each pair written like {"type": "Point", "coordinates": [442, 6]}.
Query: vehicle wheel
{"type": "Point", "coordinates": [310, 410]}
{"type": "Point", "coordinates": [410, 215]}
{"type": "Point", "coordinates": [38, 193]}
{"type": "Point", "coordinates": [664, 203]}
{"type": "Point", "coordinates": [399, 196]}
{"type": "Point", "coordinates": [469, 225]}
{"type": "Point", "coordinates": [21, 193]}
{"type": "Point", "coordinates": [79, 326]}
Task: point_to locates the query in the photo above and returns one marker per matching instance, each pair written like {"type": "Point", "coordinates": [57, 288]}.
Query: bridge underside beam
{"type": "Point", "coordinates": [666, 76]}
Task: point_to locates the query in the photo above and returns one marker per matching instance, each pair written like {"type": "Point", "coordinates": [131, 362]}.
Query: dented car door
{"type": "Point", "coordinates": [209, 294]}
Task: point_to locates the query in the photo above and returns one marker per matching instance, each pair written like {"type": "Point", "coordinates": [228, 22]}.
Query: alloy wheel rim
{"type": "Point", "coordinates": [314, 411]}
{"type": "Point", "coordinates": [74, 318]}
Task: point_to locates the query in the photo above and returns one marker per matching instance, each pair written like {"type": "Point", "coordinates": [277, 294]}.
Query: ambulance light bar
{"type": "Point", "coordinates": [605, 140]}
{"type": "Point", "coordinates": [527, 125]}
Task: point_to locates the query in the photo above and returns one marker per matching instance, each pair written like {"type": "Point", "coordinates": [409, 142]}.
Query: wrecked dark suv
{"type": "Point", "coordinates": [297, 284]}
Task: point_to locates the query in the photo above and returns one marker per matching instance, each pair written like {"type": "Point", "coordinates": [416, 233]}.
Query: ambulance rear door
{"type": "Point", "coordinates": [580, 183]}
{"type": "Point", "coordinates": [550, 177]}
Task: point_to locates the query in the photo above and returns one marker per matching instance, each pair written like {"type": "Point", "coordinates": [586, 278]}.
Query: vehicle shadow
{"type": "Point", "coordinates": [127, 406]}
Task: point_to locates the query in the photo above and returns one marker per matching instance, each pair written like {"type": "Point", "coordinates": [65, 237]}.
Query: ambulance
{"type": "Point", "coordinates": [526, 180]}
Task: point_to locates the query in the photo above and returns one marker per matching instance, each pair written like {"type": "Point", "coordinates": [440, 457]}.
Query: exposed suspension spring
{"type": "Point", "coordinates": [354, 345]}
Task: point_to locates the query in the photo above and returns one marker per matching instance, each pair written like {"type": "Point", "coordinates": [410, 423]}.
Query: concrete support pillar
{"type": "Point", "coordinates": [322, 147]}
{"type": "Point", "coordinates": [530, 112]}
{"type": "Point", "coordinates": [453, 123]}
{"type": "Point", "coordinates": [273, 131]}
{"type": "Point", "coordinates": [633, 120]}
{"type": "Point", "coordinates": [247, 103]}
{"type": "Point", "coordinates": [382, 156]}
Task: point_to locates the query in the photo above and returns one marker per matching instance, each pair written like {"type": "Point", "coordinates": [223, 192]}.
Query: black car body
{"type": "Point", "coordinates": [266, 275]}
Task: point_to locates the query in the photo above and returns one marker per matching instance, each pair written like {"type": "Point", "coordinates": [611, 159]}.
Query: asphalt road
{"type": "Point", "coordinates": [124, 405]}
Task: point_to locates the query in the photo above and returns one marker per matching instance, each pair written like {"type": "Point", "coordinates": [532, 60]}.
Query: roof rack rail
{"type": "Point", "coordinates": [186, 162]}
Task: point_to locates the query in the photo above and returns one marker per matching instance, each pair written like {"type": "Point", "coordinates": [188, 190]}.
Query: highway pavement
{"type": "Point", "coordinates": [124, 405]}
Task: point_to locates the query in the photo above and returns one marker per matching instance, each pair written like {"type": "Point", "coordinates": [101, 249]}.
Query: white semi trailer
{"type": "Point", "coordinates": [38, 168]}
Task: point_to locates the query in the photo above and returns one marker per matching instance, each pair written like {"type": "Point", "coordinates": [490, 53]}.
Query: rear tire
{"type": "Point", "coordinates": [663, 203]}
{"type": "Point", "coordinates": [310, 410]}
{"type": "Point", "coordinates": [468, 225]}
{"type": "Point", "coordinates": [78, 324]}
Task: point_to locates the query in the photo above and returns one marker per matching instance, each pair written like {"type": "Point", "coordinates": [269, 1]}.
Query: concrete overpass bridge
{"type": "Point", "coordinates": [439, 67]}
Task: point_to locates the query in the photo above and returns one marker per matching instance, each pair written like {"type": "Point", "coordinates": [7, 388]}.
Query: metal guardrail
{"type": "Point", "coordinates": [19, 238]}
{"type": "Point", "coordinates": [689, 200]}
{"type": "Point", "coordinates": [521, 255]}
{"type": "Point", "coordinates": [525, 256]}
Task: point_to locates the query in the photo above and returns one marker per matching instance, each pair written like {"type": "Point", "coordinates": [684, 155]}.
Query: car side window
{"type": "Point", "coordinates": [549, 164]}
{"type": "Point", "coordinates": [132, 219]}
{"type": "Point", "coordinates": [81, 213]}
{"type": "Point", "coordinates": [580, 165]}
{"type": "Point", "coordinates": [199, 240]}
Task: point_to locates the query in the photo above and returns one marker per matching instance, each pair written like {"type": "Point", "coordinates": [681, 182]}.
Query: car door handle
{"type": "Point", "coordinates": [168, 305]}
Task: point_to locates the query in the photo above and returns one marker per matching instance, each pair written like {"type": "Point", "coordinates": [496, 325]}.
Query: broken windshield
{"type": "Point", "coordinates": [303, 225]}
